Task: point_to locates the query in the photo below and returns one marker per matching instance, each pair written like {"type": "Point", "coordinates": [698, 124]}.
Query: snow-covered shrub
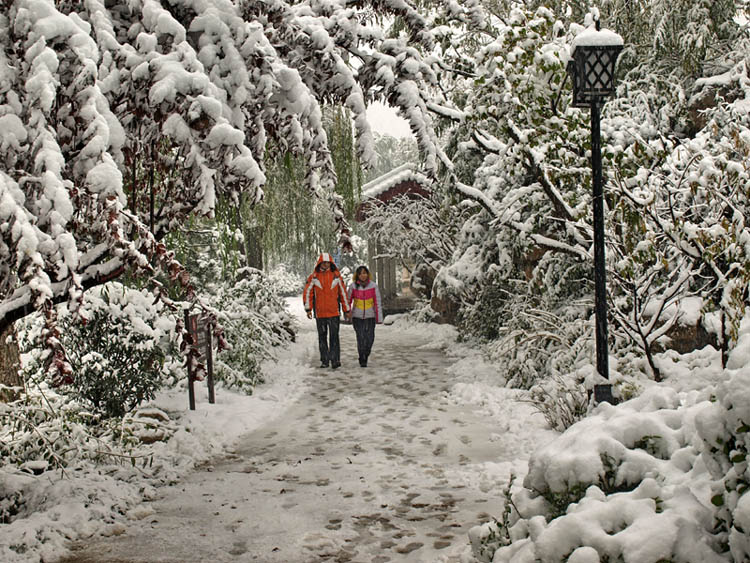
{"type": "Point", "coordinates": [422, 312]}
{"type": "Point", "coordinates": [671, 255]}
{"type": "Point", "coordinates": [536, 344]}
{"type": "Point", "coordinates": [120, 356]}
{"type": "Point", "coordinates": [247, 303]}
{"type": "Point", "coordinates": [562, 401]}
{"type": "Point", "coordinates": [487, 538]}
{"type": "Point", "coordinates": [534, 328]}
{"type": "Point", "coordinates": [46, 430]}
{"type": "Point", "coordinates": [625, 484]}
{"type": "Point", "coordinates": [465, 277]}
{"type": "Point", "coordinates": [67, 473]}
{"type": "Point", "coordinates": [255, 321]}
{"type": "Point", "coordinates": [725, 429]}
{"type": "Point", "coordinates": [285, 282]}
{"type": "Point", "coordinates": [114, 371]}
{"type": "Point", "coordinates": [485, 317]}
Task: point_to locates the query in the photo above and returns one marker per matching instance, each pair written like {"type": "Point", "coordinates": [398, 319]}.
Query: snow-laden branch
{"type": "Point", "coordinates": [534, 165]}
{"type": "Point", "coordinates": [115, 131]}
{"type": "Point", "coordinates": [480, 197]}
{"type": "Point", "coordinates": [447, 112]}
{"type": "Point", "coordinates": [553, 244]}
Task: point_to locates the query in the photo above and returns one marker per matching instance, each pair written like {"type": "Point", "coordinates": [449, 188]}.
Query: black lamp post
{"type": "Point", "coordinates": [592, 69]}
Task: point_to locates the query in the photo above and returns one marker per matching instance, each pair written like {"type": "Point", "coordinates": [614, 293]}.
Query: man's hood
{"type": "Point", "coordinates": [325, 257]}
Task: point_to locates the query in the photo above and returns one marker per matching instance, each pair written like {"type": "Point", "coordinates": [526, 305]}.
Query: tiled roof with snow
{"type": "Point", "coordinates": [382, 184]}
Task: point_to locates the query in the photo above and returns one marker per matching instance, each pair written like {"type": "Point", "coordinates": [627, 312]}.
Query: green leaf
{"type": "Point", "coordinates": [717, 500]}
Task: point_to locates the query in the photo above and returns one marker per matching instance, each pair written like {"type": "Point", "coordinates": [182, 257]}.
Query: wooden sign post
{"type": "Point", "coordinates": [201, 335]}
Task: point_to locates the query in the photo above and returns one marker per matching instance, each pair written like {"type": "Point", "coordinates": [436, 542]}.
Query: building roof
{"type": "Point", "coordinates": [401, 180]}
{"type": "Point", "coordinates": [379, 187]}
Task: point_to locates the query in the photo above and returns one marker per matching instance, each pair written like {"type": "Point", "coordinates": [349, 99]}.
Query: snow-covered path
{"type": "Point", "coordinates": [371, 465]}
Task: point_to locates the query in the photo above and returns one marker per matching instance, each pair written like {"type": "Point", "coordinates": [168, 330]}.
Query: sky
{"type": "Point", "coordinates": [384, 119]}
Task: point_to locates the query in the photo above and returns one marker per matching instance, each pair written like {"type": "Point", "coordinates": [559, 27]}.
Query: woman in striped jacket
{"type": "Point", "coordinates": [366, 311]}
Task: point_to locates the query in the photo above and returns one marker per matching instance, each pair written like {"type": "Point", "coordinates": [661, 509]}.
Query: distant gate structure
{"type": "Point", "coordinates": [385, 267]}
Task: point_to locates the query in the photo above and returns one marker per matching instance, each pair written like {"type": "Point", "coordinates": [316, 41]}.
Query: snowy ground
{"type": "Point", "coordinates": [394, 462]}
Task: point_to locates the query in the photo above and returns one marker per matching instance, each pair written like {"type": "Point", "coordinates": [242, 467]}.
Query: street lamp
{"type": "Point", "coordinates": [592, 70]}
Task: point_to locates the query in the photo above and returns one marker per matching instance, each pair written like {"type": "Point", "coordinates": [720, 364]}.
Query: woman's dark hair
{"type": "Point", "coordinates": [359, 270]}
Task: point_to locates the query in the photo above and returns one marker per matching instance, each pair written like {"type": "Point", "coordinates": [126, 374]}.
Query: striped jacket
{"type": "Point", "coordinates": [325, 292]}
{"type": "Point", "coordinates": [365, 301]}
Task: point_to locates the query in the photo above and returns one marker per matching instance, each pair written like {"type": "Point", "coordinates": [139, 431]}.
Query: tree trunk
{"type": "Point", "coordinates": [253, 244]}
{"type": "Point", "coordinates": [254, 247]}
{"type": "Point", "coordinates": [650, 359]}
{"type": "Point", "coordinates": [724, 341]}
{"type": "Point", "coordinates": [10, 364]}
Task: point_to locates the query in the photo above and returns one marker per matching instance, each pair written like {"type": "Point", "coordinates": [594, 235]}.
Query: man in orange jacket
{"type": "Point", "coordinates": [325, 295]}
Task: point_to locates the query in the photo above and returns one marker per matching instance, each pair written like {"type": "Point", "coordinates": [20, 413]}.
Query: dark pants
{"type": "Point", "coordinates": [365, 331]}
{"type": "Point", "coordinates": [328, 330]}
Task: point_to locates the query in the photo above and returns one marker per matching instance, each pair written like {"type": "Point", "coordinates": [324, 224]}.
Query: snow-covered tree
{"type": "Point", "coordinates": [687, 229]}
{"type": "Point", "coordinates": [390, 153]}
{"type": "Point", "coordinates": [293, 225]}
{"type": "Point", "coordinates": [520, 159]}
{"type": "Point", "coordinates": [529, 173]}
{"type": "Point", "coordinates": [419, 230]}
{"type": "Point", "coordinates": [119, 120]}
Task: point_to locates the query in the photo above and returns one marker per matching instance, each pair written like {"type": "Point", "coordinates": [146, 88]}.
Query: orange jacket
{"type": "Point", "coordinates": [325, 292]}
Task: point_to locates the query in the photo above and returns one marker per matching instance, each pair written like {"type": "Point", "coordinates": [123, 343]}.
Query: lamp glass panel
{"type": "Point", "coordinates": [595, 67]}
